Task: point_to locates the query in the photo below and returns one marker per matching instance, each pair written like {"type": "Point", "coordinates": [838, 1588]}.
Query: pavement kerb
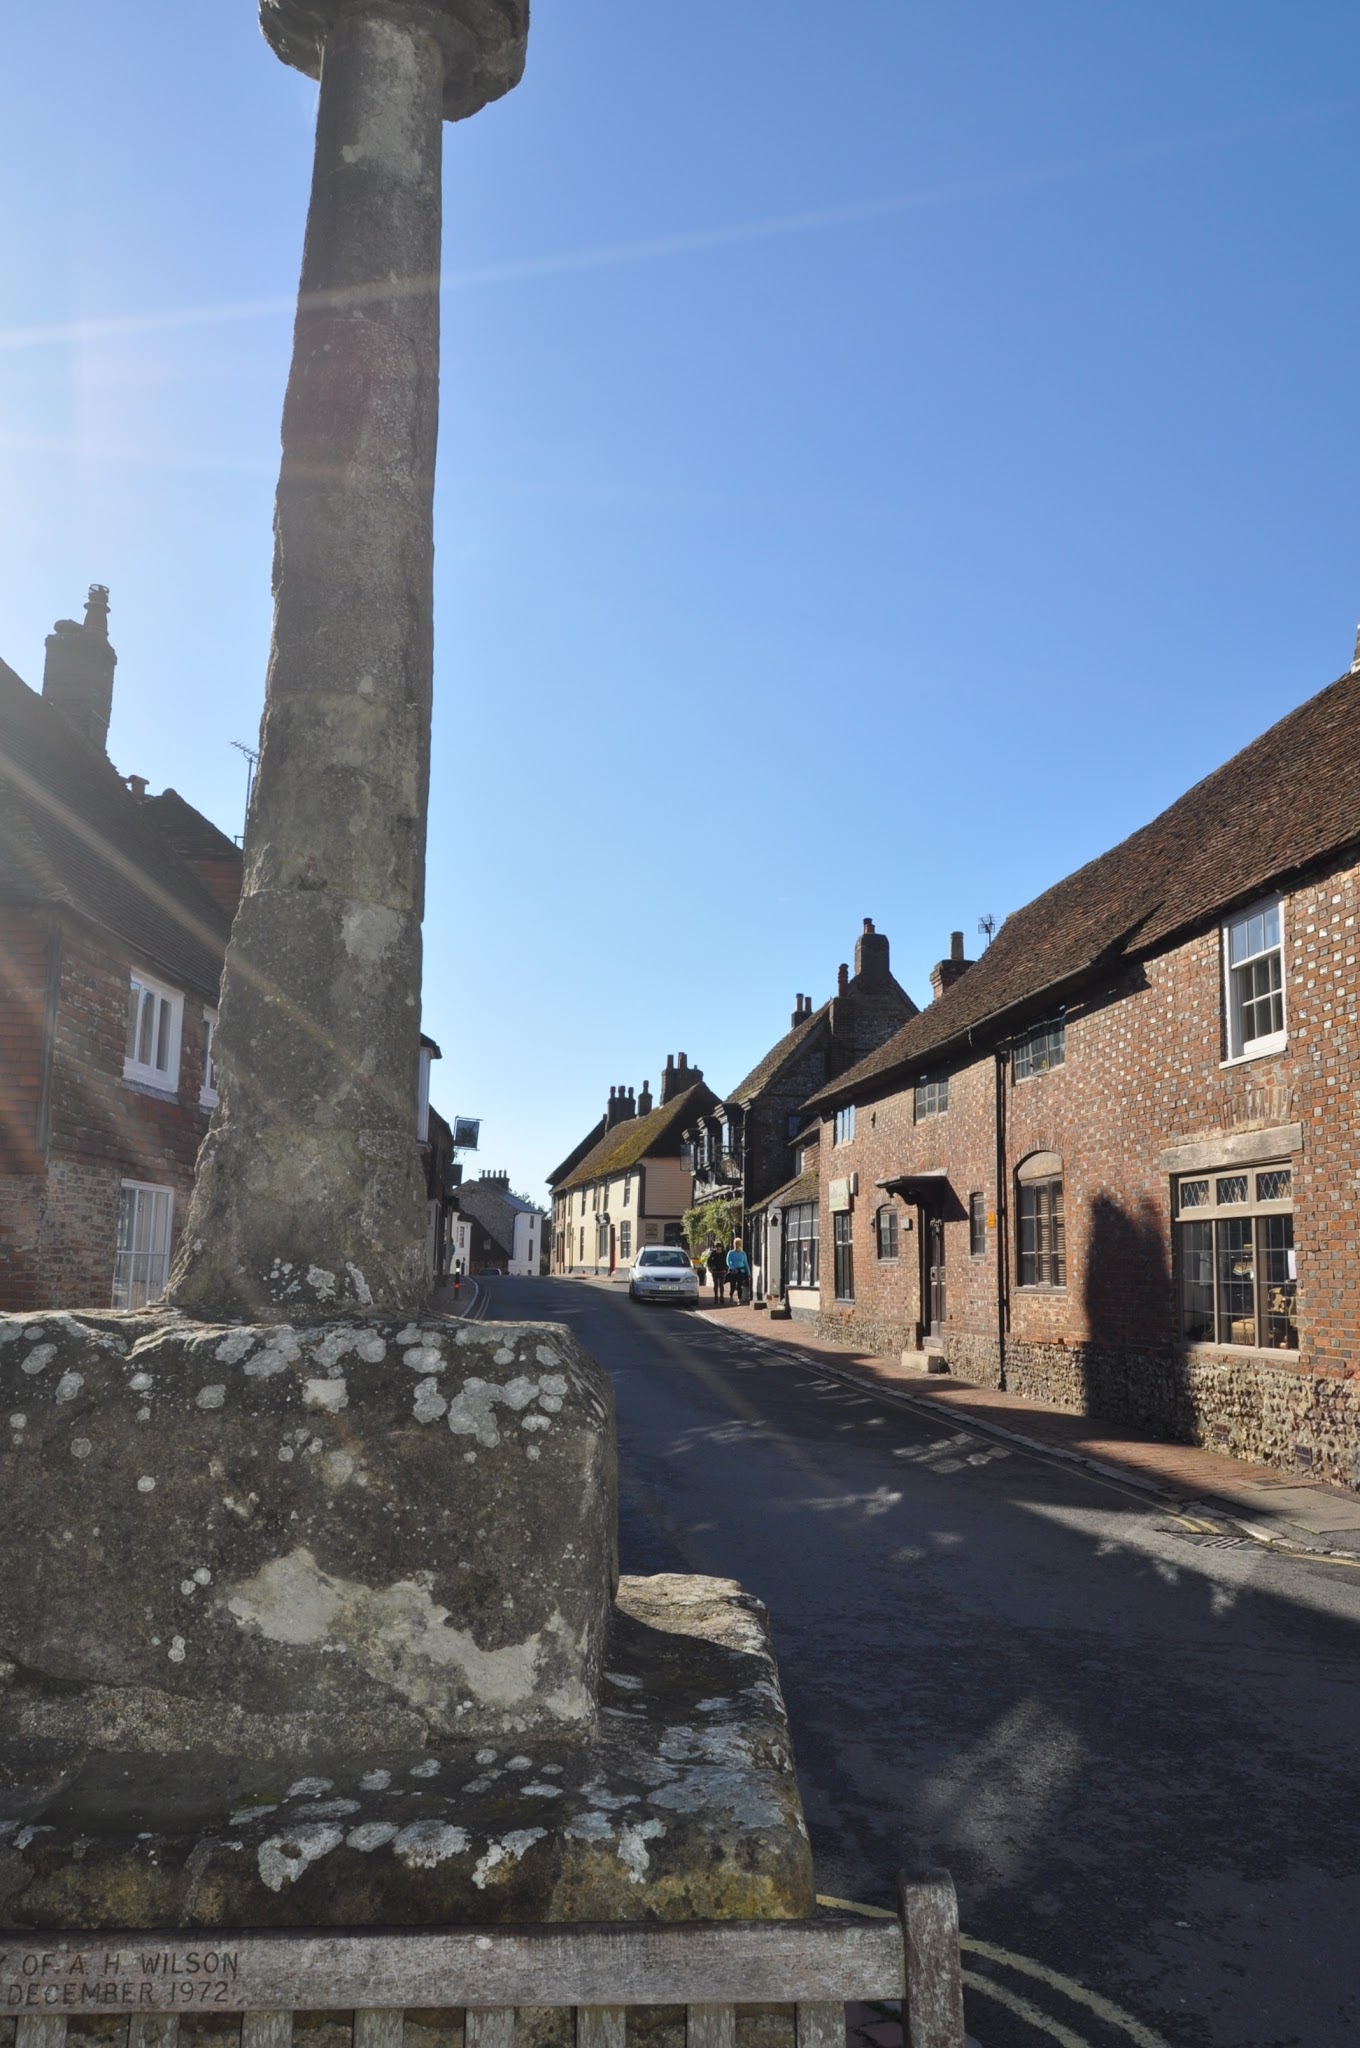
{"type": "Point", "coordinates": [845, 1370]}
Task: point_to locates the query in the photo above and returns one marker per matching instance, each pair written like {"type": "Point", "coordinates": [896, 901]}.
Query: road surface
{"type": "Point", "coordinates": [1137, 1750]}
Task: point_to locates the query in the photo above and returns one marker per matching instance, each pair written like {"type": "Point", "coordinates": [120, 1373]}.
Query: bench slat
{"type": "Point", "coordinates": [600, 2026]}
{"type": "Point", "coordinates": [153, 2030]}
{"type": "Point", "coordinates": [710, 2026]}
{"type": "Point", "coordinates": [378, 2029]}
{"type": "Point", "coordinates": [40, 2030]}
{"type": "Point", "coordinates": [820, 2026]}
{"type": "Point", "coordinates": [650, 1963]}
{"type": "Point", "coordinates": [268, 2029]}
{"type": "Point", "coordinates": [494, 2026]}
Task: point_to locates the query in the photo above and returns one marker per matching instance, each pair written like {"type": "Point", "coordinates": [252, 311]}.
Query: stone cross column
{"type": "Point", "coordinates": [309, 1190]}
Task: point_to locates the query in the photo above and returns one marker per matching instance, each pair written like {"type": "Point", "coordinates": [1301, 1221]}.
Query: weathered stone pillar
{"type": "Point", "coordinates": [309, 1190]}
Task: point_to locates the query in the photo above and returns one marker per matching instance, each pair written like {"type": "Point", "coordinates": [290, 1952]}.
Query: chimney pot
{"type": "Point", "coordinates": [137, 784]}
{"type": "Point", "coordinates": [956, 945]}
{"type": "Point", "coordinates": [868, 924]}
{"type": "Point", "coordinates": [78, 669]}
{"type": "Point", "coordinates": [842, 978]}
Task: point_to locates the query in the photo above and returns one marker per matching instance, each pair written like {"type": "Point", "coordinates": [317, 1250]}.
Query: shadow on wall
{"type": "Point", "coordinates": [1132, 1364]}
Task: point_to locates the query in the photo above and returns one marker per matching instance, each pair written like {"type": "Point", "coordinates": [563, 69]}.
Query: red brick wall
{"type": "Point", "coordinates": [1144, 1071]}
{"type": "Point", "coordinates": [23, 991]}
{"type": "Point", "coordinates": [58, 1218]}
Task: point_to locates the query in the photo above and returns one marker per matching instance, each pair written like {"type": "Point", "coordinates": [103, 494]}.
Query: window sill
{"type": "Point", "coordinates": [158, 1090]}
{"type": "Point", "coordinates": [207, 1098]}
{"type": "Point", "coordinates": [882, 1261]}
{"type": "Point", "coordinates": [1262, 1354]}
{"type": "Point", "coordinates": [1041, 1287]}
{"type": "Point", "coordinates": [1260, 1049]}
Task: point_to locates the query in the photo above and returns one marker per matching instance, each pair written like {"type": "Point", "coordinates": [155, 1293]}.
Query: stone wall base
{"type": "Point", "coordinates": [1240, 1403]}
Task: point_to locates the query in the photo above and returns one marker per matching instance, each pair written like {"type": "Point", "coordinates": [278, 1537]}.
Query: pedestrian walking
{"type": "Point", "coordinates": [717, 1271]}
{"type": "Point", "coordinates": [738, 1273]}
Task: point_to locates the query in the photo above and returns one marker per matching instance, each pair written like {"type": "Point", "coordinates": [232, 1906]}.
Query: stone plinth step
{"type": "Point", "coordinates": [680, 1803]}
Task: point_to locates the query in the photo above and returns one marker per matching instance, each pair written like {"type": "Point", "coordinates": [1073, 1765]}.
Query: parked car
{"type": "Point", "coordinates": [662, 1272]}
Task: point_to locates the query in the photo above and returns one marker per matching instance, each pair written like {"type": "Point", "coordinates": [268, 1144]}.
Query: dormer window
{"type": "Point", "coordinates": [155, 1018]}
{"type": "Point", "coordinates": [1253, 963]}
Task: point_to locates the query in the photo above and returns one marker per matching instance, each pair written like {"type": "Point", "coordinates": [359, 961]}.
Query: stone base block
{"type": "Point", "coordinates": [351, 1534]}
{"type": "Point", "coordinates": [682, 1805]}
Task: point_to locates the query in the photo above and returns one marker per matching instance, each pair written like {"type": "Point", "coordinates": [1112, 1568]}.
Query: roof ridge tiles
{"type": "Point", "coordinates": [1261, 815]}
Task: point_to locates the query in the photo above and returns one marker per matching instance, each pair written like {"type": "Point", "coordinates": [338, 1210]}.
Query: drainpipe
{"type": "Point", "coordinates": [1002, 1296]}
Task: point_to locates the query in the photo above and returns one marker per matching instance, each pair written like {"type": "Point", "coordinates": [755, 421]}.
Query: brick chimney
{"type": "Point", "coordinates": [499, 1181]}
{"type": "Point", "coordinates": [78, 670]}
{"type": "Point", "coordinates": [679, 1076]}
{"type": "Point", "coordinates": [644, 1101]}
{"type": "Point", "coordinates": [871, 953]}
{"type": "Point", "coordinates": [842, 979]}
{"type": "Point", "coordinates": [797, 1016]}
{"type": "Point", "coordinates": [945, 973]}
{"type": "Point", "coordinates": [618, 1108]}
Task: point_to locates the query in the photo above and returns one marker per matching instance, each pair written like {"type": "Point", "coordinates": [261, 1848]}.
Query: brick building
{"type": "Point", "coordinates": [634, 1184]}
{"type": "Point", "coordinates": [743, 1148]}
{"type": "Point", "coordinates": [1114, 1163]}
{"type": "Point", "coordinates": [114, 914]}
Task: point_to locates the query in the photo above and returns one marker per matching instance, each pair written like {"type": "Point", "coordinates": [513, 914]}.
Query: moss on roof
{"type": "Point", "coordinates": [638, 1136]}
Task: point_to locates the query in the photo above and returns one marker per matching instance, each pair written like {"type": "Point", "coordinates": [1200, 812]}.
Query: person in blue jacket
{"type": "Point", "coordinates": [738, 1273]}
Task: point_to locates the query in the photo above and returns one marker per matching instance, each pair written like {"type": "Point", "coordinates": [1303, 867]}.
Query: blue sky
{"type": "Point", "coordinates": [877, 470]}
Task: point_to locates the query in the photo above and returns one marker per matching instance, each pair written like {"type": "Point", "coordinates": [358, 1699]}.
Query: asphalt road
{"type": "Point", "coordinates": [1138, 1751]}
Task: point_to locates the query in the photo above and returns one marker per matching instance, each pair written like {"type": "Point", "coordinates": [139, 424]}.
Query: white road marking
{"type": "Point", "coordinates": [1103, 2008]}
{"type": "Point", "coordinates": [1022, 2008]}
{"type": "Point", "coordinates": [1100, 2007]}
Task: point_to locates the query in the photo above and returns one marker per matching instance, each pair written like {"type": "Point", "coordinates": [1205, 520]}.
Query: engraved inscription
{"type": "Point", "coordinates": [88, 1979]}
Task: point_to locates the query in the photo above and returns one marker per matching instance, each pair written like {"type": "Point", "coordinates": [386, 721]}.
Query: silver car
{"type": "Point", "coordinates": [662, 1272]}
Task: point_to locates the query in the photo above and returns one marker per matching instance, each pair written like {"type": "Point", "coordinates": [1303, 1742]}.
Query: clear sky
{"type": "Point", "coordinates": [887, 453]}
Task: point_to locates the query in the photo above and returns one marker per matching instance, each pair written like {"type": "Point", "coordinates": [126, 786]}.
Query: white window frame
{"type": "Point", "coordinates": [165, 1080]}
{"type": "Point", "coordinates": [125, 1291]}
{"type": "Point", "coordinates": [1235, 973]}
{"type": "Point", "coordinates": [843, 1130]}
{"type": "Point", "coordinates": [207, 1094]}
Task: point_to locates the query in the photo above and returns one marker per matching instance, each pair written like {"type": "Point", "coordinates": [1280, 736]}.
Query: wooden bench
{"type": "Point", "coordinates": [596, 1971]}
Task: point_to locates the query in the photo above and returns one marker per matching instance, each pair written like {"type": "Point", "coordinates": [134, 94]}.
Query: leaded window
{"type": "Point", "coordinates": [932, 1096]}
{"type": "Point", "coordinates": [977, 1226]}
{"type": "Point", "coordinates": [887, 1232]}
{"type": "Point", "coordinates": [845, 1124]}
{"type": "Point", "coordinates": [1235, 1258]}
{"type": "Point", "coordinates": [1042, 1046]}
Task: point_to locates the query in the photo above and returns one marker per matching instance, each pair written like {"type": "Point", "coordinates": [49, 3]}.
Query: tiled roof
{"type": "Point", "coordinates": [804, 1189]}
{"type": "Point", "coordinates": [1286, 801]}
{"type": "Point", "coordinates": [493, 1209]}
{"type": "Point", "coordinates": [576, 1154]}
{"type": "Point", "coordinates": [73, 834]}
{"type": "Point", "coordinates": [637, 1136]}
{"type": "Point", "coordinates": [193, 836]}
{"type": "Point", "coordinates": [761, 1076]}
